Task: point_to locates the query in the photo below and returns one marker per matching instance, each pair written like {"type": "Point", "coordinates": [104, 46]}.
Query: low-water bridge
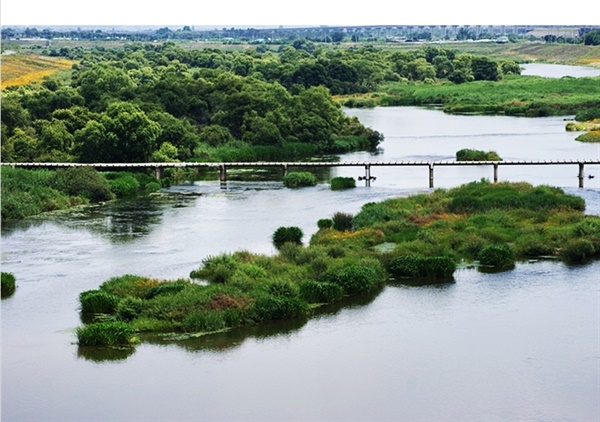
{"type": "Point", "coordinates": [222, 167]}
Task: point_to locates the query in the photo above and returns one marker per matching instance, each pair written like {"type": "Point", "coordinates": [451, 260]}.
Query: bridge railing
{"type": "Point", "coordinates": [160, 167]}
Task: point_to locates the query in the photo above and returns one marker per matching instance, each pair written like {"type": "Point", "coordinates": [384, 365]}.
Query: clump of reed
{"type": "Point", "coordinates": [284, 235]}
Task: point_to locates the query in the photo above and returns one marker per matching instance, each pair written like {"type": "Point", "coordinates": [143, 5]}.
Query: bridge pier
{"type": "Point", "coordinates": [580, 176]}
{"type": "Point", "coordinates": [495, 172]}
{"type": "Point", "coordinates": [367, 175]}
{"type": "Point", "coordinates": [159, 172]}
{"type": "Point", "coordinates": [430, 176]}
{"type": "Point", "coordinates": [223, 173]}
{"type": "Point", "coordinates": [285, 170]}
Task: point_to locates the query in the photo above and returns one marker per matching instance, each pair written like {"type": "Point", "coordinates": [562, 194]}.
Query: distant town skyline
{"type": "Point", "coordinates": [244, 13]}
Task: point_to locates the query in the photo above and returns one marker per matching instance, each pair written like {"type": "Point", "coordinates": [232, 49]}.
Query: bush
{"type": "Point", "coordinates": [497, 256]}
{"type": "Point", "coordinates": [413, 266]}
{"type": "Point", "coordinates": [325, 223]}
{"type": "Point", "coordinates": [320, 292]}
{"type": "Point", "coordinates": [125, 185]}
{"type": "Point", "coordinates": [356, 279]}
{"type": "Point", "coordinates": [82, 181]}
{"type": "Point", "coordinates": [130, 308]}
{"type": "Point", "coordinates": [97, 302]}
{"type": "Point", "coordinates": [338, 183]}
{"type": "Point", "coordinates": [476, 155]}
{"type": "Point", "coordinates": [269, 307]}
{"type": "Point", "coordinates": [8, 284]}
{"type": "Point", "coordinates": [287, 234]}
{"type": "Point", "coordinates": [204, 321]}
{"type": "Point", "coordinates": [578, 251]}
{"type": "Point", "coordinates": [299, 179]}
{"type": "Point", "coordinates": [166, 288]}
{"type": "Point", "coordinates": [342, 221]}
{"type": "Point", "coordinates": [112, 333]}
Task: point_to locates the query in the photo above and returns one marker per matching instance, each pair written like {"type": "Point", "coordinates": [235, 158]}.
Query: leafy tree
{"type": "Point", "coordinates": [124, 134]}
{"type": "Point", "coordinates": [592, 38]}
{"type": "Point", "coordinates": [485, 69]}
{"type": "Point", "coordinates": [101, 82]}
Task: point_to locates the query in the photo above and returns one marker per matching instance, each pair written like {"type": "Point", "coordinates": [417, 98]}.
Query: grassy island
{"type": "Point", "coordinates": [419, 239]}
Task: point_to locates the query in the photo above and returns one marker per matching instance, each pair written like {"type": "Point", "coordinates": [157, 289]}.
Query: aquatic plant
{"type": "Point", "coordinates": [109, 333]}
{"type": "Point", "coordinates": [414, 266]}
{"type": "Point", "coordinates": [497, 256]}
{"type": "Point", "coordinates": [298, 179]}
{"type": "Point", "coordinates": [339, 183]}
{"type": "Point", "coordinates": [96, 301]}
{"type": "Point", "coordinates": [477, 155]}
{"type": "Point", "coordinates": [579, 251]}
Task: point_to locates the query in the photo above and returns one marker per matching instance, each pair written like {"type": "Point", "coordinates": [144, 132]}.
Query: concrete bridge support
{"type": "Point", "coordinates": [159, 172]}
{"type": "Point", "coordinates": [223, 173]}
{"type": "Point", "coordinates": [580, 176]}
{"type": "Point", "coordinates": [496, 173]}
{"type": "Point", "coordinates": [430, 176]}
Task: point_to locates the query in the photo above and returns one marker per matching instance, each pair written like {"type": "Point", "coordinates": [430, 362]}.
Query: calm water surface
{"type": "Point", "coordinates": [519, 345]}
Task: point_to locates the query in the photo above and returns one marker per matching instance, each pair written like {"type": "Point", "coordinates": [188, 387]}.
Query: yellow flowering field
{"type": "Point", "coordinates": [24, 69]}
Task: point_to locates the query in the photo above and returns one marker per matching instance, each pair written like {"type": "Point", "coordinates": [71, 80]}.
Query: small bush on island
{"type": "Point", "coordinates": [497, 256]}
{"type": "Point", "coordinates": [299, 179]}
{"type": "Point", "coordinates": [476, 155]}
{"type": "Point", "coordinates": [287, 234]}
{"type": "Point", "coordinates": [98, 302]}
{"type": "Point", "coordinates": [339, 183]}
{"type": "Point", "coordinates": [429, 267]}
{"type": "Point", "coordinates": [109, 333]}
{"type": "Point", "coordinates": [8, 284]}
{"type": "Point", "coordinates": [325, 223]}
{"type": "Point", "coordinates": [579, 251]}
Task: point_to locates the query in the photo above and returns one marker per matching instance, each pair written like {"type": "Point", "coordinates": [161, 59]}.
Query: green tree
{"type": "Point", "coordinates": [485, 69]}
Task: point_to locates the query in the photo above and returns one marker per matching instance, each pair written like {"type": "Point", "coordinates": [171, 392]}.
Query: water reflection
{"type": "Point", "coordinates": [104, 354]}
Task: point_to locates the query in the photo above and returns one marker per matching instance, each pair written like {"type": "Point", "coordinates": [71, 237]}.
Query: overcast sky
{"type": "Point", "coordinates": [247, 13]}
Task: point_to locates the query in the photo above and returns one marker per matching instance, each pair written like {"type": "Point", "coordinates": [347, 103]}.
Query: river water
{"type": "Point", "coordinates": [518, 345]}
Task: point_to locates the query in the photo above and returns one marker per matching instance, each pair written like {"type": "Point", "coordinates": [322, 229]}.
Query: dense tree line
{"type": "Point", "coordinates": [162, 102]}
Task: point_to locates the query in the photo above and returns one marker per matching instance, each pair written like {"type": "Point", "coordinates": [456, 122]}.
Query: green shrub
{"type": "Point", "coordinates": [497, 256]}
{"type": "Point", "coordinates": [356, 279]}
{"type": "Point", "coordinates": [82, 181]}
{"type": "Point", "coordinates": [112, 333]}
{"type": "Point", "coordinates": [429, 267]}
{"type": "Point", "coordinates": [8, 285]}
{"type": "Point", "coordinates": [125, 185]}
{"type": "Point", "coordinates": [166, 288]}
{"type": "Point", "coordinates": [268, 307]}
{"type": "Point", "coordinates": [130, 308]}
{"type": "Point", "coordinates": [320, 292]}
{"type": "Point", "coordinates": [282, 289]}
{"type": "Point", "coordinates": [342, 221]}
{"type": "Point", "coordinates": [152, 187]}
{"type": "Point", "coordinates": [299, 179]}
{"type": "Point", "coordinates": [338, 183]}
{"type": "Point", "coordinates": [578, 251]}
{"type": "Point", "coordinates": [216, 269]}
{"type": "Point", "coordinates": [287, 234]}
{"type": "Point", "coordinates": [204, 321]}
{"type": "Point", "coordinates": [476, 155]}
{"type": "Point", "coordinates": [325, 223]}
{"type": "Point", "coordinates": [98, 302]}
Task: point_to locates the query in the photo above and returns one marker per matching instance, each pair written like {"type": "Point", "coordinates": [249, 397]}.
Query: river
{"type": "Point", "coordinates": [518, 345]}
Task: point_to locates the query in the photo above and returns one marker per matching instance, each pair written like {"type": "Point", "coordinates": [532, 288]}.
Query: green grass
{"type": "Point", "coordinates": [514, 95]}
